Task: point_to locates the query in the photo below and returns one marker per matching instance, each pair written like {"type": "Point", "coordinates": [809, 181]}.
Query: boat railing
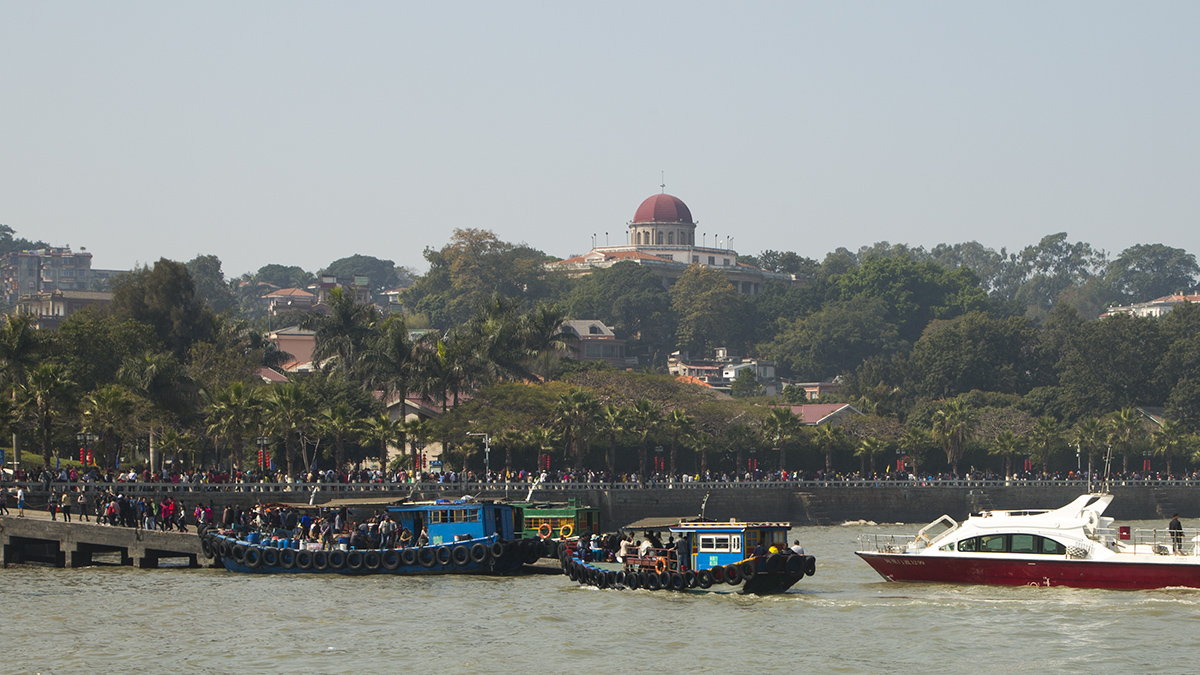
{"type": "Point", "coordinates": [1166, 542]}
{"type": "Point", "coordinates": [887, 543]}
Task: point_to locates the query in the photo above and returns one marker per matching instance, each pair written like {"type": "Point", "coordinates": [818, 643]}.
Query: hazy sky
{"type": "Point", "coordinates": [299, 132]}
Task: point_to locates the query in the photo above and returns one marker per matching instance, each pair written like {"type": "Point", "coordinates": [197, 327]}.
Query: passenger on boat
{"type": "Point", "coordinates": [422, 539]}
{"type": "Point", "coordinates": [623, 550]}
{"type": "Point", "coordinates": [1176, 529]}
{"type": "Point", "coordinates": [797, 548]}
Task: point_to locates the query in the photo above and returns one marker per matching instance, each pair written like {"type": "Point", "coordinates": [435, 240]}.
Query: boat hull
{"type": "Point", "coordinates": [359, 562]}
{"type": "Point", "coordinates": [997, 570]}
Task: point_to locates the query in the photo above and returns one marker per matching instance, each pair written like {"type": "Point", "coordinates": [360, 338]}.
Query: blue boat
{"type": "Point", "coordinates": [459, 537]}
{"type": "Point", "coordinates": [707, 555]}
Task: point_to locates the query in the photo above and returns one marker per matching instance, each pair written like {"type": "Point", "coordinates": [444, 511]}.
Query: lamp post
{"type": "Point", "coordinates": [85, 446]}
{"type": "Point", "coordinates": [487, 452]}
{"type": "Point", "coordinates": [262, 442]}
{"type": "Point", "coordinates": [658, 458]}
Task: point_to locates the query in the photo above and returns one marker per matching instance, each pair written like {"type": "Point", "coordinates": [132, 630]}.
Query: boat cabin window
{"type": "Point", "coordinates": [714, 544]}
{"type": "Point", "coordinates": [1011, 543]}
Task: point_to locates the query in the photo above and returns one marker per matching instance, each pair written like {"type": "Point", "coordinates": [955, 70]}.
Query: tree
{"type": "Point", "coordinates": [9, 242]}
{"type": "Point", "coordinates": [834, 340]}
{"type": "Point", "coordinates": [745, 384]}
{"type": "Point", "coordinates": [632, 301]}
{"type": "Point", "coordinates": [1106, 365]}
{"type": "Point", "coordinates": [953, 426]}
{"type": "Point", "coordinates": [781, 428]}
{"type": "Point", "coordinates": [914, 442]}
{"type": "Point", "coordinates": [1168, 440]}
{"type": "Point", "coordinates": [612, 422]}
{"type": "Point", "coordinates": [342, 335]}
{"type": "Point", "coordinates": [380, 273]}
{"type": "Point", "coordinates": [289, 410]}
{"type": "Point", "coordinates": [1045, 441]}
{"type": "Point", "coordinates": [1124, 429]}
{"type": "Point", "coordinates": [382, 430]}
{"type": "Point", "coordinates": [110, 413]}
{"type": "Point", "coordinates": [644, 422]}
{"type": "Point", "coordinates": [339, 422]}
{"type": "Point", "coordinates": [283, 276]}
{"type": "Point", "coordinates": [21, 347]}
{"type": "Point", "coordinates": [165, 298]}
{"type": "Point", "coordinates": [1147, 271]}
{"type": "Point", "coordinates": [543, 336]}
{"type": "Point", "coordinates": [232, 416]}
{"type": "Point", "coordinates": [1088, 436]}
{"type": "Point", "coordinates": [211, 286]}
{"type": "Point", "coordinates": [828, 437]}
{"type": "Point", "coordinates": [869, 449]}
{"type": "Point", "coordinates": [975, 351]}
{"type": "Point", "coordinates": [707, 308]}
{"type": "Point", "coordinates": [575, 415]}
{"type": "Point", "coordinates": [46, 396]}
{"type": "Point", "coordinates": [391, 359]}
{"type": "Point", "coordinates": [93, 347]}
{"type": "Point", "coordinates": [1007, 445]}
{"type": "Point", "coordinates": [680, 427]}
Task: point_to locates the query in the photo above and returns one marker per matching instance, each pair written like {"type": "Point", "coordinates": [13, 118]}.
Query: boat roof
{"type": "Point", "coordinates": [1054, 518]}
{"type": "Point", "coordinates": [731, 525]}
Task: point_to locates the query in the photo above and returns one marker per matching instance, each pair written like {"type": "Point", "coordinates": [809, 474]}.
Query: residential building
{"type": "Point", "coordinates": [662, 238]}
{"type": "Point", "coordinates": [720, 371]}
{"type": "Point", "coordinates": [1155, 307]}
{"type": "Point", "coordinates": [298, 342]}
{"type": "Point", "coordinates": [51, 307]}
{"type": "Point", "coordinates": [815, 390]}
{"type": "Point", "coordinates": [814, 414]}
{"type": "Point", "coordinates": [50, 269]}
{"type": "Point", "coordinates": [593, 341]}
{"type": "Point", "coordinates": [286, 299]}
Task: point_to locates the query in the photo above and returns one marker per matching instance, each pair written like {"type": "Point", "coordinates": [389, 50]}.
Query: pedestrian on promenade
{"type": "Point", "coordinates": [21, 501]}
{"type": "Point", "coordinates": [82, 502]}
{"type": "Point", "coordinates": [4, 500]}
{"type": "Point", "coordinates": [52, 505]}
{"type": "Point", "coordinates": [66, 506]}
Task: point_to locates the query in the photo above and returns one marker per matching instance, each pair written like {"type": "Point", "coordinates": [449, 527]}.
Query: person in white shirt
{"type": "Point", "coordinates": [797, 548]}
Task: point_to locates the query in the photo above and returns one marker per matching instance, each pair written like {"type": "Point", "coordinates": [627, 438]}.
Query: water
{"type": "Point", "coordinates": [843, 620]}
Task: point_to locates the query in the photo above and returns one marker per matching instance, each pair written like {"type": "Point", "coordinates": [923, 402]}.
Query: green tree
{"type": "Point", "coordinates": [645, 420]}
{"type": "Point", "coordinates": [915, 443]}
{"type": "Point", "coordinates": [1007, 445]}
{"type": "Point", "coordinates": [211, 285]}
{"type": "Point", "coordinates": [232, 416]}
{"type": "Point", "coordinates": [21, 349]}
{"type": "Point", "coordinates": [828, 437]}
{"type": "Point", "coordinates": [1168, 440]}
{"type": "Point", "coordinates": [632, 301]}
{"type": "Point", "coordinates": [781, 428]}
{"type": "Point", "coordinates": [93, 347]}
{"type": "Point", "coordinates": [953, 427]}
{"type": "Point", "coordinates": [869, 449]}
{"type": "Point", "coordinates": [1147, 271]}
{"type": "Point", "coordinates": [1088, 436]}
{"type": "Point", "coordinates": [340, 423]}
{"type": "Point", "coordinates": [745, 385]}
{"type": "Point", "coordinates": [834, 340]}
{"type": "Point", "coordinates": [381, 273]}
{"type": "Point", "coordinates": [289, 410]}
{"type": "Point", "coordinates": [165, 298]}
{"type": "Point", "coordinates": [543, 336]}
{"type": "Point", "coordinates": [1124, 430]}
{"type": "Point", "coordinates": [1045, 441]}
{"type": "Point", "coordinates": [613, 423]}
{"type": "Point", "coordinates": [575, 415]}
{"type": "Point", "coordinates": [342, 335]}
{"type": "Point", "coordinates": [680, 428]}
{"type": "Point", "coordinates": [110, 413]}
{"type": "Point", "coordinates": [46, 396]}
{"type": "Point", "coordinates": [975, 351]}
{"type": "Point", "coordinates": [708, 310]}
{"type": "Point", "coordinates": [381, 430]}
{"type": "Point", "coordinates": [1106, 365]}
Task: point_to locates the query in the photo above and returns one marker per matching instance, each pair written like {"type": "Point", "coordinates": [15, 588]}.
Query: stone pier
{"type": "Point", "coordinates": [36, 538]}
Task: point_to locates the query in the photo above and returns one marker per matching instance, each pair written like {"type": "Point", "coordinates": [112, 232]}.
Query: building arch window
{"type": "Point", "coordinates": [671, 238]}
{"type": "Point", "coordinates": [691, 238]}
{"type": "Point", "coordinates": [660, 239]}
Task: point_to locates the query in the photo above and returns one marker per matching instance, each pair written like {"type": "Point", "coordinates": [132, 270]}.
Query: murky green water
{"type": "Point", "coordinates": [843, 620]}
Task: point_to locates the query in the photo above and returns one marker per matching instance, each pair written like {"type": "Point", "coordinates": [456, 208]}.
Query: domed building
{"type": "Point", "coordinates": [662, 237]}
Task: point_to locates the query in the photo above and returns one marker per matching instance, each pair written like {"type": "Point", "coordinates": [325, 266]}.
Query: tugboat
{"type": "Point", "coordinates": [705, 554]}
{"type": "Point", "coordinates": [1074, 545]}
{"type": "Point", "coordinates": [441, 537]}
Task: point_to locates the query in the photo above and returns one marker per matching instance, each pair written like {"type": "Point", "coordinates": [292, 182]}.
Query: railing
{"type": "Point", "coordinates": [885, 543]}
{"type": "Point", "coordinates": [351, 489]}
{"type": "Point", "coordinates": [1161, 541]}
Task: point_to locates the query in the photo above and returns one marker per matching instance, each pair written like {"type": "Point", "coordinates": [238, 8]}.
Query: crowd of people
{"type": "Point", "coordinates": [326, 528]}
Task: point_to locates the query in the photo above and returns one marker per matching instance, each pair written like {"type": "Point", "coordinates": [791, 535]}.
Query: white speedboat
{"type": "Point", "coordinates": [1074, 545]}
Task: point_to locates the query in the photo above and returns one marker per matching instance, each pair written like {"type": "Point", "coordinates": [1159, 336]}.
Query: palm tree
{"type": "Point", "coordinates": [1168, 439]}
{"type": "Point", "coordinates": [612, 422]}
{"type": "Point", "coordinates": [542, 438]}
{"type": "Point", "coordinates": [383, 430]}
{"type": "Point", "coordinates": [914, 442]}
{"type": "Point", "coordinates": [20, 348]}
{"type": "Point", "coordinates": [509, 439]}
{"type": "Point", "coordinates": [171, 441]}
{"type": "Point", "coordinates": [1123, 428]}
{"type": "Point", "coordinates": [338, 421]}
{"type": "Point", "coordinates": [644, 422]}
{"type": "Point", "coordinates": [1088, 436]}
{"type": "Point", "coordinates": [46, 394]}
{"type": "Point", "coordinates": [342, 334]}
{"type": "Point", "coordinates": [392, 359]}
{"type": "Point", "coordinates": [289, 409]}
{"type": "Point", "coordinates": [828, 437]}
{"type": "Point", "coordinates": [110, 412]}
{"type": "Point", "coordinates": [1007, 445]}
{"type": "Point", "coordinates": [953, 426]}
{"type": "Point", "coordinates": [780, 428]}
{"type": "Point", "coordinates": [413, 432]}
{"type": "Point", "coordinates": [543, 335]}
{"type": "Point", "coordinates": [1044, 441]}
{"type": "Point", "coordinates": [868, 449]}
{"type": "Point", "coordinates": [233, 413]}
{"type": "Point", "coordinates": [159, 378]}
{"type": "Point", "coordinates": [680, 427]}
{"type": "Point", "coordinates": [574, 414]}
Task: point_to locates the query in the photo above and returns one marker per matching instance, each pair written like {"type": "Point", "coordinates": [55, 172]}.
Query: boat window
{"type": "Point", "coordinates": [971, 544]}
{"type": "Point", "coordinates": [735, 543]}
{"type": "Point", "coordinates": [714, 544]}
{"type": "Point", "coordinates": [1053, 547]}
{"type": "Point", "coordinates": [993, 543]}
{"type": "Point", "coordinates": [439, 516]}
{"type": "Point", "coordinates": [1024, 543]}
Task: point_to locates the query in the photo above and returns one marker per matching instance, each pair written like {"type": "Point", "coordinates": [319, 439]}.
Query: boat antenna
{"type": "Point", "coordinates": [704, 504]}
{"type": "Point", "coordinates": [1107, 467]}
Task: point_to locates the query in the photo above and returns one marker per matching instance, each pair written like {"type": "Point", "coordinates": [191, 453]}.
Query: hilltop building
{"type": "Point", "coordinates": [720, 372]}
{"type": "Point", "coordinates": [1155, 307]}
{"type": "Point", "coordinates": [662, 237]}
{"type": "Point", "coordinates": [45, 270]}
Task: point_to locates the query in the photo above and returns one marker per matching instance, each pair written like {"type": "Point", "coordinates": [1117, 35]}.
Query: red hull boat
{"type": "Point", "coordinates": [1071, 546]}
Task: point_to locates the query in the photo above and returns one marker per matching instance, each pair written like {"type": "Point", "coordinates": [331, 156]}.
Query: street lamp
{"type": "Point", "coordinates": [262, 442]}
{"type": "Point", "coordinates": [487, 451]}
{"type": "Point", "coordinates": [86, 439]}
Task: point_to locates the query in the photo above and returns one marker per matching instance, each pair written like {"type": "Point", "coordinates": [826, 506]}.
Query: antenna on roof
{"type": "Point", "coordinates": [663, 177]}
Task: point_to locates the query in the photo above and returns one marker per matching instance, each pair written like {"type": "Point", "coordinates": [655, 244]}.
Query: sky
{"type": "Point", "coordinates": [302, 132]}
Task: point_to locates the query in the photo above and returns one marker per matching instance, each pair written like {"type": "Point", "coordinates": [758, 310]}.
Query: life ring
{"type": "Point", "coordinates": [660, 565]}
{"type": "Point", "coordinates": [354, 561]}
{"type": "Point", "coordinates": [239, 554]}
{"type": "Point", "coordinates": [408, 557]}
{"type": "Point", "coordinates": [337, 560]}
{"type": "Point", "coordinates": [544, 530]}
{"type": "Point", "coordinates": [810, 565]}
{"type": "Point", "coordinates": [733, 574]}
{"type": "Point", "coordinates": [461, 556]}
{"type": "Point", "coordinates": [371, 561]}
{"type": "Point", "coordinates": [749, 569]}
{"type": "Point", "coordinates": [320, 560]}
{"type": "Point", "coordinates": [795, 565]}
{"type": "Point", "coordinates": [479, 553]}
{"type": "Point", "coordinates": [304, 560]}
{"type": "Point", "coordinates": [270, 557]}
{"type": "Point", "coordinates": [633, 581]}
{"type": "Point", "coordinates": [390, 560]}
{"type": "Point", "coordinates": [704, 578]}
{"type": "Point", "coordinates": [287, 559]}
{"type": "Point", "coordinates": [566, 531]}
{"type": "Point", "coordinates": [252, 557]}
{"type": "Point", "coordinates": [427, 557]}
{"type": "Point", "coordinates": [443, 554]}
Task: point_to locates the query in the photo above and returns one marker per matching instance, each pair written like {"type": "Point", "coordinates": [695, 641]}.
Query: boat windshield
{"type": "Point", "coordinates": [936, 529]}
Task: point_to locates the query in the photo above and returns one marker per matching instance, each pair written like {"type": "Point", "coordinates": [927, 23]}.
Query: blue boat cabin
{"type": "Point", "coordinates": [715, 544]}
{"type": "Point", "coordinates": [446, 522]}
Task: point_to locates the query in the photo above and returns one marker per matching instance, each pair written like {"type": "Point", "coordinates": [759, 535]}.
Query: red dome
{"type": "Point", "coordinates": [663, 208]}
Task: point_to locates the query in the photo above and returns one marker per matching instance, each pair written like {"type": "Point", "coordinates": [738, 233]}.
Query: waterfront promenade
{"type": "Point", "coordinates": [37, 538]}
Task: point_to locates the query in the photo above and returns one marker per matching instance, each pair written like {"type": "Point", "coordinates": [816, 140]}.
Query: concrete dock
{"type": "Point", "coordinates": [36, 538]}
